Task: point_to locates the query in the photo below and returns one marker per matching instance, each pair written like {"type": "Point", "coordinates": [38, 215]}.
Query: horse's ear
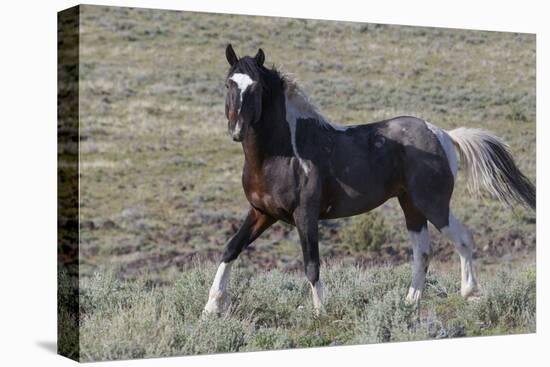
{"type": "Point", "coordinates": [230, 55]}
{"type": "Point", "coordinates": [260, 57]}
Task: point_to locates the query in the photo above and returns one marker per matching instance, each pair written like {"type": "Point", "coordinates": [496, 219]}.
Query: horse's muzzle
{"type": "Point", "coordinates": [234, 126]}
{"type": "Point", "coordinates": [237, 133]}
{"type": "Point", "coordinates": [236, 130]}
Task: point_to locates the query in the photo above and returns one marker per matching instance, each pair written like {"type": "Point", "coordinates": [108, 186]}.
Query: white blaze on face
{"type": "Point", "coordinates": [243, 81]}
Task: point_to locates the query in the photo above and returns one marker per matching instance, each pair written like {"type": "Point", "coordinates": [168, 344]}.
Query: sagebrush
{"type": "Point", "coordinates": [273, 310]}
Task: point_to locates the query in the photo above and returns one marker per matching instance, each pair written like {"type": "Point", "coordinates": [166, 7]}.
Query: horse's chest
{"type": "Point", "coordinates": [266, 196]}
{"type": "Point", "coordinates": [262, 200]}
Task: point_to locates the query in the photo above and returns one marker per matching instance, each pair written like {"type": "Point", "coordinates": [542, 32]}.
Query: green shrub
{"type": "Point", "coordinates": [214, 334]}
{"type": "Point", "coordinates": [103, 291]}
{"type": "Point", "coordinates": [273, 310]}
{"type": "Point", "coordinates": [271, 299]}
{"type": "Point", "coordinates": [191, 291]}
{"type": "Point", "coordinates": [307, 340]}
{"type": "Point", "coordinates": [388, 319]}
{"type": "Point", "coordinates": [509, 300]}
{"type": "Point", "coordinates": [128, 320]}
{"type": "Point", "coordinates": [67, 314]}
{"type": "Point", "coordinates": [346, 291]}
{"type": "Point", "coordinates": [269, 339]}
{"type": "Point", "coordinates": [366, 232]}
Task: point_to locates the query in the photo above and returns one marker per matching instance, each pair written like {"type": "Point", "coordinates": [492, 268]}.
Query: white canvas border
{"type": "Point", "coordinates": [28, 188]}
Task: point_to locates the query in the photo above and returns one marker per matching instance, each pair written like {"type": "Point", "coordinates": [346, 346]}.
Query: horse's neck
{"type": "Point", "coordinates": [253, 154]}
{"type": "Point", "coordinates": [269, 137]}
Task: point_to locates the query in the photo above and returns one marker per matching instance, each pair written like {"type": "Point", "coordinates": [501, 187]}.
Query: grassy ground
{"type": "Point", "coordinates": [160, 178]}
{"type": "Point", "coordinates": [273, 310]}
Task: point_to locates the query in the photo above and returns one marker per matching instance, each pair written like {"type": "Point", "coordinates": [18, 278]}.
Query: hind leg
{"type": "Point", "coordinates": [439, 214]}
{"type": "Point", "coordinates": [420, 240]}
{"type": "Point", "coordinates": [463, 241]}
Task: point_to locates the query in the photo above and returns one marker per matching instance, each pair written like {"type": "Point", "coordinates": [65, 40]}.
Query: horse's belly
{"type": "Point", "coordinates": [348, 207]}
{"type": "Point", "coordinates": [348, 198]}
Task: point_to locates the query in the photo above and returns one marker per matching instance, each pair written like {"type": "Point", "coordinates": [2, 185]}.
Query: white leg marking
{"type": "Point", "coordinates": [218, 299]}
{"type": "Point", "coordinates": [318, 294]}
{"type": "Point", "coordinates": [243, 81]}
{"type": "Point", "coordinates": [464, 244]}
{"type": "Point", "coordinates": [292, 114]}
{"type": "Point", "coordinates": [421, 252]}
{"type": "Point", "coordinates": [447, 144]}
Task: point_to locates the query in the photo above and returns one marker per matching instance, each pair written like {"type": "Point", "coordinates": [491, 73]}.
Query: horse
{"type": "Point", "coordinates": [300, 168]}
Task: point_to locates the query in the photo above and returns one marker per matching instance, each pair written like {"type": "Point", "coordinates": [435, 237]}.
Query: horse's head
{"type": "Point", "coordinates": [243, 97]}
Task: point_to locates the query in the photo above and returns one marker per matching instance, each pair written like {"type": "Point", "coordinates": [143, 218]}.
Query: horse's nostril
{"type": "Point", "coordinates": [232, 115]}
{"type": "Point", "coordinates": [236, 136]}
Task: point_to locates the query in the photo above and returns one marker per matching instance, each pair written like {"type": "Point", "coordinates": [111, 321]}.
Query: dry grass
{"type": "Point", "coordinates": [273, 310]}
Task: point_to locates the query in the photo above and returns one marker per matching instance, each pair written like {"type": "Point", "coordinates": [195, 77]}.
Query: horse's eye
{"type": "Point", "coordinates": [226, 85]}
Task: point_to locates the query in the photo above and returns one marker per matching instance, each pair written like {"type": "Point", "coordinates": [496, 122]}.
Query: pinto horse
{"type": "Point", "coordinates": [300, 168]}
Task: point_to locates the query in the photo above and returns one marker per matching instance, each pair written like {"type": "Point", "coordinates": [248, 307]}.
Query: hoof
{"type": "Point", "coordinates": [413, 297]}
{"type": "Point", "coordinates": [216, 304]}
{"type": "Point", "coordinates": [319, 310]}
{"type": "Point", "coordinates": [471, 292]}
{"type": "Point", "coordinates": [211, 311]}
{"type": "Point", "coordinates": [318, 294]}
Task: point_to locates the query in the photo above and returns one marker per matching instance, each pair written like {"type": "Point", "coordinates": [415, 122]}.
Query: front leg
{"type": "Point", "coordinates": [254, 224]}
{"type": "Point", "coordinates": [306, 220]}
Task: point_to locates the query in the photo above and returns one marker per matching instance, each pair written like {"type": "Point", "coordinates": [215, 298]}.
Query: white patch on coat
{"type": "Point", "coordinates": [217, 298]}
{"type": "Point", "coordinates": [318, 294]}
{"type": "Point", "coordinates": [447, 144]}
{"type": "Point", "coordinates": [292, 116]}
{"type": "Point", "coordinates": [243, 81]}
{"type": "Point", "coordinates": [421, 249]}
{"type": "Point", "coordinates": [463, 242]}
{"type": "Point", "coordinates": [298, 106]}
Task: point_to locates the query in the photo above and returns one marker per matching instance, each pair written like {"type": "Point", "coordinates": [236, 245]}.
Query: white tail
{"type": "Point", "coordinates": [490, 165]}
